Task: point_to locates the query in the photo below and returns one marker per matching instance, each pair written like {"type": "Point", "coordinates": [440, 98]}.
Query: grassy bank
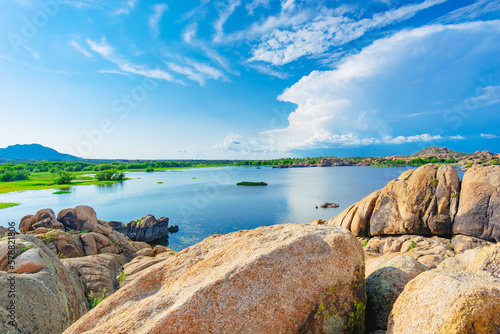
{"type": "Point", "coordinates": [46, 180]}
{"type": "Point", "coordinates": [7, 205]}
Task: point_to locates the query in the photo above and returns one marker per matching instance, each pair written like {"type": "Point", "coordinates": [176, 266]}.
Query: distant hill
{"type": "Point", "coordinates": [439, 152]}
{"type": "Point", "coordinates": [33, 152]}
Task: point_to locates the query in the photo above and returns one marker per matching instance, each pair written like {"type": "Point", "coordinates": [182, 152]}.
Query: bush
{"type": "Point", "coordinates": [150, 170]}
{"type": "Point", "coordinates": [110, 175]}
{"type": "Point", "coordinates": [14, 176]}
{"type": "Point", "coordinates": [64, 178]}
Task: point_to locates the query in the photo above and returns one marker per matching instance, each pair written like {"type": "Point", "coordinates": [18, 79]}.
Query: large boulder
{"type": "Point", "coordinates": [44, 218]}
{"type": "Point", "coordinates": [421, 202]}
{"type": "Point", "coordinates": [99, 273]}
{"type": "Point", "coordinates": [48, 297]}
{"type": "Point", "coordinates": [63, 244]}
{"type": "Point", "coordinates": [461, 297]}
{"type": "Point", "coordinates": [145, 229]}
{"type": "Point", "coordinates": [87, 218]}
{"type": "Point", "coordinates": [384, 285]}
{"type": "Point", "coordinates": [276, 279]}
{"type": "Point", "coordinates": [356, 218]}
{"type": "Point", "coordinates": [479, 210]}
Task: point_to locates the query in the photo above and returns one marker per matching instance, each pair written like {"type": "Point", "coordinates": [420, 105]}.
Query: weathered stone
{"type": "Point", "coordinates": [275, 279]}
{"type": "Point", "coordinates": [26, 222]}
{"type": "Point", "coordinates": [479, 210]}
{"type": "Point", "coordinates": [139, 264]}
{"type": "Point", "coordinates": [109, 249]}
{"type": "Point", "coordinates": [318, 222]}
{"type": "Point", "coordinates": [384, 285]}
{"type": "Point", "coordinates": [29, 262]}
{"type": "Point", "coordinates": [97, 272]}
{"type": "Point", "coordinates": [461, 243]}
{"type": "Point", "coordinates": [87, 217]}
{"type": "Point", "coordinates": [146, 229]}
{"type": "Point", "coordinates": [47, 301]}
{"type": "Point", "coordinates": [140, 245]}
{"type": "Point", "coordinates": [416, 203]}
{"type": "Point", "coordinates": [145, 252]}
{"type": "Point", "coordinates": [160, 249]}
{"type": "Point", "coordinates": [103, 228]}
{"type": "Point", "coordinates": [431, 261]}
{"type": "Point", "coordinates": [69, 218]}
{"type": "Point", "coordinates": [356, 218]}
{"type": "Point", "coordinates": [461, 296]}
{"type": "Point", "coordinates": [64, 244]}
{"type": "Point", "coordinates": [89, 244]}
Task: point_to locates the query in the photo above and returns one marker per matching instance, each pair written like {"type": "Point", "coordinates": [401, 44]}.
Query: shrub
{"type": "Point", "coordinates": [150, 170]}
{"type": "Point", "coordinates": [95, 299]}
{"type": "Point", "coordinates": [109, 175]}
{"type": "Point", "coordinates": [10, 175]}
{"type": "Point", "coordinates": [413, 244]}
{"type": "Point", "coordinates": [64, 177]}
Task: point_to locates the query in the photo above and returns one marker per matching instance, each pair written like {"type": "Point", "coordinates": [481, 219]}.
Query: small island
{"type": "Point", "coordinates": [246, 183]}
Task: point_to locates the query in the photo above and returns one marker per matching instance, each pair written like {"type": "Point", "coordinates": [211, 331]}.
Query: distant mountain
{"type": "Point", "coordinates": [439, 152]}
{"type": "Point", "coordinates": [33, 152]}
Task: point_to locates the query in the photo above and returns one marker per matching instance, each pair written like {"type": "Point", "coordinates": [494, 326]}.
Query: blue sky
{"type": "Point", "coordinates": [249, 79]}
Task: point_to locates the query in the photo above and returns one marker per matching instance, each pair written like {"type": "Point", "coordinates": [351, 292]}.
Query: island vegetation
{"type": "Point", "coordinates": [7, 205]}
{"type": "Point", "coordinates": [247, 183]}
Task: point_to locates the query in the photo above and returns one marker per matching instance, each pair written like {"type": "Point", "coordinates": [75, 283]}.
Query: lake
{"type": "Point", "coordinates": [206, 201]}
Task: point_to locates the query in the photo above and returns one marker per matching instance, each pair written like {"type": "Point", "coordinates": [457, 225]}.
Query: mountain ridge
{"type": "Point", "coordinates": [33, 152]}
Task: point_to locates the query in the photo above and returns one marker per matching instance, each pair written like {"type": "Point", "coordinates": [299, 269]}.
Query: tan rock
{"type": "Point", "coordinates": [431, 261]}
{"type": "Point", "coordinates": [318, 222]}
{"type": "Point", "coordinates": [276, 279]}
{"type": "Point", "coordinates": [160, 249]}
{"type": "Point", "coordinates": [461, 243]}
{"type": "Point", "coordinates": [140, 245]}
{"type": "Point", "coordinates": [109, 249]}
{"type": "Point", "coordinates": [103, 228]}
{"type": "Point", "coordinates": [462, 295]}
{"type": "Point", "coordinates": [145, 252]}
{"type": "Point", "coordinates": [97, 272]}
{"type": "Point", "coordinates": [356, 218]}
{"type": "Point", "coordinates": [89, 244]}
{"type": "Point", "coordinates": [479, 209]}
{"type": "Point", "coordinates": [87, 217]}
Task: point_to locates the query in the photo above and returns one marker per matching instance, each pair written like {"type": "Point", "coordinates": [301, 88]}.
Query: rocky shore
{"type": "Point", "coordinates": [420, 255]}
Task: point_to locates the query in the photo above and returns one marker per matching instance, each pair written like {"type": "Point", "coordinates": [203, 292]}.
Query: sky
{"type": "Point", "coordinates": [256, 79]}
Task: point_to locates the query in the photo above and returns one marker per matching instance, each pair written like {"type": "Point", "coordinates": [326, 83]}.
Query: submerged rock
{"type": "Point", "coordinates": [276, 279]}
{"type": "Point", "coordinates": [145, 229]}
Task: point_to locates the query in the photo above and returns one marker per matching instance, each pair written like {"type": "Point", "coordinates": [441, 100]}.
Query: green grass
{"type": "Point", "coordinates": [61, 192]}
{"type": "Point", "coordinates": [122, 277]}
{"type": "Point", "coordinates": [7, 205]}
{"type": "Point", "coordinates": [246, 183]}
{"type": "Point", "coordinates": [194, 177]}
{"type": "Point", "coordinates": [413, 244]}
{"type": "Point", "coordinates": [159, 182]}
{"type": "Point", "coordinates": [46, 180]}
{"type": "Point", "coordinates": [95, 299]}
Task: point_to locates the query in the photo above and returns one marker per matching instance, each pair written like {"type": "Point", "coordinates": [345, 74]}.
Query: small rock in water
{"type": "Point", "coordinates": [327, 205]}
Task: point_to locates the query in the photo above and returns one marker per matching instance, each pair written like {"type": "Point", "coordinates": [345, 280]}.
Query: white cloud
{"type": "Point", "coordinates": [358, 102]}
{"type": "Point", "coordinates": [80, 49]}
{"type": "Point", "coordinates": [472, 12]}
{"type": "Point", "coordinates": [225, 11]}
{"type": "Point", "coordinates": [107, 52]}
{"type": "Point", "coordinates": [489, 136]}
{"type": "Point", "coordinates": [125, 10]}
{"type": "Point", "coordinates": [230, 143]}
{"type": "Point", "coordinates": [252, 6]}
{"type": "Point", "coordinates": [155, 18]}
{"type": "Point", "coordinates": [457, 137]}
{"type": "Point", "coordinates": [103, 48]}
{"type": "Point", "coordinates": [267, 70]}
{"type": "Point", "coordinates": [321, 31]}
{"type": "Point", "coordinates": [490, 96]}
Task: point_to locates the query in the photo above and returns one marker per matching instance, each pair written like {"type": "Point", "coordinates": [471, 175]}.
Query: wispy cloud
{"type": "Point", "coordinates": [225, 11]}
{"type": "Point", "coordinates": [471, 12]}
{"type": "Point", "coordinates": [196, 71]}
{"type": "Point", "coordinates": [457, 137]}
{"type": "Point", "coordinates": [252, 6]}
{"type": "Point", "coordinates": [80, 49]}
{"type": "Point", "coordinates": [268, 70]}
{"type": "Point", "coordinates": [107, 52]}
{"type": "Point", "coordinates": [322, 31]}
{"type": "Point", "coordinates": [125, 10]}
{"type": "Point", "coordinates": [489, 136]}
{"type": "Point", "coordinates": [155, 18]}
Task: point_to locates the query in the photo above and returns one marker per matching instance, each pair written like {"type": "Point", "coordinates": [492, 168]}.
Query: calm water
{"type": "Point", "coordinates": [212, 203]}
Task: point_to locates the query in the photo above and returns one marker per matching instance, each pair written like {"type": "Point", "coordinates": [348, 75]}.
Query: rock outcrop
{"type": "Point", "coordinates": [48, 297]}
{"type": "Point", "coordinates": [356, 218]}
{"type": "Point", "coordinates": [44, 218]}
{"type": "Point", "coordinates": [462, 295]}
{"type": "Point", "coordinates": [276, 279]}
{"type": "Point", "coordinates": [98, 273]}
{"type": "Point", "coordinates": [479, 211]}
{"type": "Point", "coordinates": [384, 285]}
{"type": "Point", "coordinates": [145, 229]}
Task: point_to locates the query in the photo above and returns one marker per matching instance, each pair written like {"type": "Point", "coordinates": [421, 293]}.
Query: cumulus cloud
{"type": "Point", "coordinates": [357, 103]}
